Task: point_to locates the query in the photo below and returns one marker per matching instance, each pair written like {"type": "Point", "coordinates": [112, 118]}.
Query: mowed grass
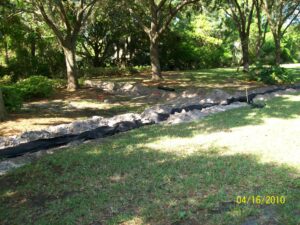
{"type": "Point", "coordinates": [225, 78]}
{"type": "Point", "coordinates": [185, 174]}
{"type": "Point", "coordinates": [228, 79]}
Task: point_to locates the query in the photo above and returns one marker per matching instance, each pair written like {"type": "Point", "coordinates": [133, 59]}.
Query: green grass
{"type": "Point", "coordinates": [184, 174]}
{"type": "Point", "coordinates": [222, 78]}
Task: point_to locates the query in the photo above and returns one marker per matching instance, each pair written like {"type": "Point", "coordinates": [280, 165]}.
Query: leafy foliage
{"type": "Point", "coordinates": [6, 80]}
{"type": "Point", "coordinates": [35, 87]}
{"type": "Point", "coordinates": [32, 87]}
{"type": "Point", "coordinates": [271, 75]}
{"type": "Point", "coordinates": [113, 71]}
{"type": "Point", "coordinates": [12, 97]}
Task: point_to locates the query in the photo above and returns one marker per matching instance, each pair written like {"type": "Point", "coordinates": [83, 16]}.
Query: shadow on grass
{"type": "Point", "coordinates": [280, 108]}
{"type": "Point", "coordinates": [119, 181]}
{"type": "Point", "coordinates": [218, 76]}
{"type": "Point", "coordinates": [63, 110]}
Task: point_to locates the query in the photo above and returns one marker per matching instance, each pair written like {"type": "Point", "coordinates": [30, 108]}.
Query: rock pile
{"type": "Point", "coordinates": [77, 127]}
{"type": "Point", "coordinates": [182, 109]}
{"type": "Point", "coordinates": [187, 116]}
{"type": "Point", "coordinates": [129, 88]}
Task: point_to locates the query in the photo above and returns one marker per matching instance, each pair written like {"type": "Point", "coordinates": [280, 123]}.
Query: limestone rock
{"type": "Point", "coordinates": [192, 115]}
{"type": "Point", "coordinates": [218, 96]}
{"type": "Point", "coordinates": [126, 87]}
{"type": "Point", "coordinates": [185, 116]}
{"type": "Point", "coordinates": [260, 98]}
{"type": "Point", "coordinates": [128, 117]}
{"type": "Point", "coordinates": [291, 90]}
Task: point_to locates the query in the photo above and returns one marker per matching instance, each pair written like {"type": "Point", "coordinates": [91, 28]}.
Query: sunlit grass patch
{"type": "Point", "coordinates": [184, 174]}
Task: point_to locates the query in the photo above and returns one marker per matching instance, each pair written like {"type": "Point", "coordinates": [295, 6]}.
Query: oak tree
{"type": "Point", "coordinates": [280, 14]}
{"type": "Point", "coordinates": [155, 16]}
{"type": "Point", "coordinates": [65, 19]}
{"type": "Point", "coordinates": [241, 12]}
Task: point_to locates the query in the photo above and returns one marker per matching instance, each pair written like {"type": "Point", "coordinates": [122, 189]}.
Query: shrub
{"type": "Point", "coordinates": [271, 75]}
{"type": "Point", "coordinates": [6, 80]}
{"type": "Point", "coordinates": [81, 81]}
{"type": "Point", "coordinates": [59, 83]}
{"type": "Point", "coordinates": [12, 97]}
{"type": "Point", "coordinates": [32, 87]}
{"type": "Point", "coordinates": [35, 87]}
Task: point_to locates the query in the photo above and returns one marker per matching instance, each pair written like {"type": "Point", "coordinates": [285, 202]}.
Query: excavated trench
{"type": "Point", "coordinates": [105, 131]}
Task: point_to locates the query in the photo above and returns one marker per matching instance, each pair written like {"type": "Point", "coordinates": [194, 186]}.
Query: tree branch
{"type": "Point", "coordinates": [290, 23]}
{"type": "Point", "coordinates": [50, 22]}
{"type": "Point", "coordinates": [63, 15]}
{"type": "Point", "coordinates": [139, 21]}
{"type": "Point", "coordinates": [173, 13]}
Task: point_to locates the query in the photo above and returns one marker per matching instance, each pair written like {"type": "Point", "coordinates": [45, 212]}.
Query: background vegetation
{"type": "Point", "coordinates": [67, 41]}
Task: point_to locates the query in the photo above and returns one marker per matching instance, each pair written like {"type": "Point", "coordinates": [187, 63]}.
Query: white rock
{"type": "Point", "coordinates": [290, 90]}
{"type": "Point", "coordinates": [131, 117]}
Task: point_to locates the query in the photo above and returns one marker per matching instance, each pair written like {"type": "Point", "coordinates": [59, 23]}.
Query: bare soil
{"type": "Point", "coordinates": [65, 107]}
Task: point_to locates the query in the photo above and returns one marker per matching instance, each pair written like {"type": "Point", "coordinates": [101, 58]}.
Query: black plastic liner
{"type": "Point", "coordinates": [105, 131]}
{"type": "Point", "coordinates": [44, 144]}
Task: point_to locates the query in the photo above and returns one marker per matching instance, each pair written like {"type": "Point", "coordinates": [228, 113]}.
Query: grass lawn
{"type": "Point", "coordinates": [224, 78]}
{"type": "Point", "coordinates": [229, 79]}
{"type": "Point", "coordinates": [185, 174]}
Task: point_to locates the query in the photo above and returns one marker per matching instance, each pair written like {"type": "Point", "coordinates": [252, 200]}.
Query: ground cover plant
{"type": "Point", "coordinates": [185, 174]}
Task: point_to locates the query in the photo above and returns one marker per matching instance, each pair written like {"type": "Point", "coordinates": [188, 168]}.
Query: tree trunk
{"type": "Point", "coordinates": [33, 48]}
{"type": "Point", "coordinates": [2, 108]}
{"type": "Point", "coordinates": [96, 59]}
{"type": "Point", "coordinates": [155, 64]}
{"type": "Point", "coordinates": [6, 52]}
{"type": "Point", "coordinates": [277, 50]}
{"type": "Point", "coordinates": [70, 57]}
{"type": "Point", "coordinates": [245, 51]}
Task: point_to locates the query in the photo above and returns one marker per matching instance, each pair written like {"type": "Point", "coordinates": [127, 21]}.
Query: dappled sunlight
{"type": "Point", "coordinates": [9, 194]}
{"type": "Point", "coordinates": [275, 140]}
{"type": "Point", "coordinates": [121, 180]}
{"type": "Point", "coordinates": [182, 146]}
{"type": "Point", "coordinates": [86, 104]}
{"type": "Point", "coordinates": [271, 133]}
{"type": "Point", "coordinates": [18, 126]}
{"type": "Point", "coordinates": [94, 151]}
{"type": "Point", "coordinates": [159, 173]}
{"type": "Point", "coordinates": [40, 115]}
{"type": "Point", "coordinates": [291, 65]}
{"type": "Point", "coordinates": [134, 221]}
{"type": "Point", "coordinates": [292, 98]}
{"type": "Point", "coordinates": [101, 105]}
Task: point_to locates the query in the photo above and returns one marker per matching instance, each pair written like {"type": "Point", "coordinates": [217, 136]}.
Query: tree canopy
{"type": "Point", "coordinates": [62, 38]}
